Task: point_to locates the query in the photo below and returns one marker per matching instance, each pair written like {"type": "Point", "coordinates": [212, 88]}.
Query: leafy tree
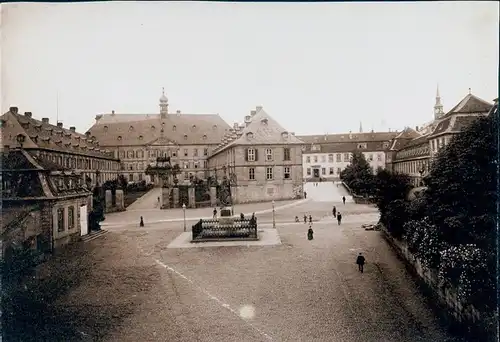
{"type": "Point", "coordinates": [358, 175]}
{"type": "Point", "coordinates": [390, 190]}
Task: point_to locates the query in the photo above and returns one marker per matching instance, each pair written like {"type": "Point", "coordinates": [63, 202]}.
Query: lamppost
{"type": "Point", "coordinates": [184, 210]}
{"type": "Point", "coordinates": [274, 218]}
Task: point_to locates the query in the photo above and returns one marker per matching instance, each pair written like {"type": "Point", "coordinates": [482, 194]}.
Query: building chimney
{"type": "Point", "coordinates": [235, 126]}
{"type": "Point", "coordinates": [112, 112]}
{"type": "Point", "coordinates": [253, 112]}
{"type": "Point", "coordinates": [258, 108]}
{"type": "Point", "coordinates": [292, 133]}
{"type": "Point", "coordinates": [177, 112]}
{"type": "Point", "coordinates": [13, 110]}
{"type": "Point", "coordinates": [416, 128]}
{"type": "Point", "coordinates": [28, 114]}
{"type": "Point", "coordinates": [59, 124]}
{"type": "Point", "coordinates": [45, 120]}
{"type": "Point", "coordinates": [350, 134]}
{"type": "Point", "coordinates": [72, 128]}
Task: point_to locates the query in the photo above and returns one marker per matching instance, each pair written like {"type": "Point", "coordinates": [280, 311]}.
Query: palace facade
{"type": "Point", "coordinates": [413, 153]}
{"type": "Point", "coordinates": [138, 139]}
{"type": "Point", "coordinates": [262, 160]}
{"type": "Point", "coordinates": [325, 156]}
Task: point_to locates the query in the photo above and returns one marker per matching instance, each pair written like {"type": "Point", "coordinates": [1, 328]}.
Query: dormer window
{"type": "Point", "coordinates": [284, 135]}
{"type": "Point", "coordinates": [185, 136]}
{"type": "Point", "coordinates": [119, 138]}
{"type": "Point", "coordinates": [362, 145]}
{"type": "Point", "coordinates": [264, 121]}
{"type": "Point", "coordinates": [214, 127]}
{"type": "Point", "coordinates": [131, 128]}
{"type": "Point", "coordinates": [194, 127]}
{"type": "Point", "coordinates": [140, 137]}
{"type": "Point", "coordinates": [105, 128]}
{"type": "Point", "coordinates": [204, 137]}
{"type": "Point", "coordinates": [249, 135]}
{"type": "Point", "coordinates": [93, 138]}
{"type": "Point", "coordinates": [174, 128]}
{"type": "Point", "coordinates": [153, 128]}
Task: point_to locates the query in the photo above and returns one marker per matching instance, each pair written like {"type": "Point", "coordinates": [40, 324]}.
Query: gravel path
{"type": "Point", "coordinates": [138, 290]}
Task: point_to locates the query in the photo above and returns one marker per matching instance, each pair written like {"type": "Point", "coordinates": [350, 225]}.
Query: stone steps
{"type": "Point", "coordinates": [93, 235]}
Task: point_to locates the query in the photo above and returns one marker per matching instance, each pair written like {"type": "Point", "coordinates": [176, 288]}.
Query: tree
{"type": "Point", "coordinates": [390, 190]}
{"type": "Point", "coordinates": [358, 175]}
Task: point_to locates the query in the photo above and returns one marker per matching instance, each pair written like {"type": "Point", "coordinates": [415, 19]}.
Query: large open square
{"type": "Point", "coordinates": [298, 290]}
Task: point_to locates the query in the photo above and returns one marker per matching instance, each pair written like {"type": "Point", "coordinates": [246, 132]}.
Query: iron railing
{"type": "Point", "coordinates": [213, 229]}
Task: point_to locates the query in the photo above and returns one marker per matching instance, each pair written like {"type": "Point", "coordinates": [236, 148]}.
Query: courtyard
{"type": "Point", "coordinates": [136, 288]}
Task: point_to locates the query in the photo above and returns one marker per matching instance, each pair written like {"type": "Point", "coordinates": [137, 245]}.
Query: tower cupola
{"type": "Point", "coordinates": [163, 104]}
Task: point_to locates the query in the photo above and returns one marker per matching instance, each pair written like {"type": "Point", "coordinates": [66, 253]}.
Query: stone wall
{"type": "Point", "coordinates": [267, 192]}
{"type": "Point", "coordinates": [465, 318]}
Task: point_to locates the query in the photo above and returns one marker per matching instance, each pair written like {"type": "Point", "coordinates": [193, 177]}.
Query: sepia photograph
{"type": "Point", "coordinates": [196, 171]}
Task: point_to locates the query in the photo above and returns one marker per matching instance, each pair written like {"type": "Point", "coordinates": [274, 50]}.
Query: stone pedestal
{"type": "Point", "coordinates": [120, 205]}
{"type": "Point", "coordinates": [108, 201]}
{"type": "Point", "coordinates": [176, 198]}
{"type": "Point", "coordinates": [226, 217]}
{"type": "Point", "coordinates": [213, 196]}
{"type": "Point", "coordinates": [191, 197]}
{"type": "Point", "coordinates": [165, 198]}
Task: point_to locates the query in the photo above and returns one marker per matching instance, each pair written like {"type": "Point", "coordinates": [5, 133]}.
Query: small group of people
{"type": "Point", "coordinates": [336, 214]}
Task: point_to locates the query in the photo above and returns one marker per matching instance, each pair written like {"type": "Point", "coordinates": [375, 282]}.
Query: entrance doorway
{"type": "Point", "coordinates": [316, 173]}
{"type": "Point", "coordinates": [84, 227]}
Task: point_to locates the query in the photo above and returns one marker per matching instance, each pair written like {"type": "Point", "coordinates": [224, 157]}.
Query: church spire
{"type": "Point", "coordinates": [360, 127]}
{"type": "Point", "coordinates": [438, 107]}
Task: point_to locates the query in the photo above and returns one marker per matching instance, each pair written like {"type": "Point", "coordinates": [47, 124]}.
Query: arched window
{"type": "Point", "coordinates": [204, 137]}
{"type": "Point", "coordinates": [174, 128]}
{"type": "Point", "coordinates": [185, 136]}
{"type": "Point", "coordinates": [119, 137]}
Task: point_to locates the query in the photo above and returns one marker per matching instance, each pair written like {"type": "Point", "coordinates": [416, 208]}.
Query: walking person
{"type": "Point", "coordinates": [310, 233]}
{"type": "Point", "coordinates": [343, 199]}
{"type": "Point", "coordinates": [305, 218]}
{"type": "Point", "coordinates": [141, 224]}
{"type": "Point", "coordinates": [310, 219]}
{"type": "Point", "coordinates": [215, 213]}
{"type": "Point", "coordinates": [360, 260]}
{"type": "Point", "coordinates": [334, 211]}
{"type": "Point", "coordinates": [339, 217]}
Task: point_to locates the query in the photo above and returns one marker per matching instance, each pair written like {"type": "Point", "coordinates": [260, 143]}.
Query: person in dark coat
{"type": "Point", "coordinates": [305, 218]}
{"type": "Point", "coordinates": [334, 211]}
{"type": "Point", "coordinates": [215, 213]}
{"type": "Point", "coordinates": [141, 224]}
{"type": "Point", "coordinates": [339, 218]}
{"type": "Point", "coordinates": [310, 233]}
{"type": "Point", "coordinates": [360, 260]}
{"type": "Point", "coordinates": [343, 199]}
{"type": "Point", "coordinates": [310, 219]}
{"type": "Point", "coordinates": [305, 194]}
{"type": "Point", "coordinates": [242, 216]}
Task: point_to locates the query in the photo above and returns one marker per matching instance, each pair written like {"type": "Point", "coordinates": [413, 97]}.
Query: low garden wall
{"type": "Point", "coordinates": [459, 318]}
{"type": "Point", "coordinates": [357, 198]}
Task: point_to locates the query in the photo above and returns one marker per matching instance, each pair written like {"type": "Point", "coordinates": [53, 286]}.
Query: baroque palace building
{"type": "Point", "coordinates": [47, 175]}
{"type": "Point", "coordinates": [138, 139]}
{"type": "Point", "coordinates": [261, 158]}
{"type": "Point", "coordinates": [412, 153]}
{"type": "Point", "coordinates": [325, 156]}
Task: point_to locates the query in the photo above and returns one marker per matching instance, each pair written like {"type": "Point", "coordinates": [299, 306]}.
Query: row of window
{"type": "Point", "coordinates": [347, 158]}
{"type": "Point", "coordinates": [270, 174]}
{"type": "Point", "coordinates": [174, 128]}
{"type": "Point", "coordinates": [139, 154]}
{"type": "Point", "coordinates": [252, 154]}
{"type": "Point", "coordinates": [61, 219]}
{"type": "Point", "coordinates": [411, 167]}
{"type": "Point", "coordinates": [80, 162]}
{"type": "Point", "coordinates": [323, 171]}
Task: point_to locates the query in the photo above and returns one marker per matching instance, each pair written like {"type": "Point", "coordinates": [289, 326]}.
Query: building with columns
{"type": "Point", "coordinates": [413, 153]}
{"type": "Point", "coordinates": [261, 158]}
{"type": "Point", "coordinates": [138, 139]}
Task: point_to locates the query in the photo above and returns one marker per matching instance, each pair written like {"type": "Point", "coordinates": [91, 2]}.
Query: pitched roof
{"type": "Point", "coordinates": [143, 129]}
{"type": "Point", "coordinates": [348, 137]}
{"type": "Point", "coordinates": [403, 138]}
{"type": "Point", "coordinates": [470, 104]}
{"type": "Point", "coordinates": [261, 129]}
{"type": "Point", "coordinates": [43, 135]}
{"type": "Point", "coordinates": [344, 147]}
{"type": "Point", "coordinates": [18, 160]}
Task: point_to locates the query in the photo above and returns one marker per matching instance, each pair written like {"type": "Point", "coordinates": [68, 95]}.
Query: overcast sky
{"type": "Point", "coordinates": [316, 68]}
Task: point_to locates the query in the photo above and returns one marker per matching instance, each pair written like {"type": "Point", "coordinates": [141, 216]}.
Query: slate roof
{"type": "Point", "coordinates": [18, 160]}
{"type": "Point", "coordinates": [345, 147]}
{"type": "Point", "coordinates": [42, 135]}
{"type": "Point", "coordinates": [348, 137]}
{"type": "Point", "coordinates": [143, 129]}
{"type": "Point", "coordinates": [470, 104]}
{"type": "Point", "coordinates": [262, 129]}
{"type": "Point", "coordinates": [403, 138]}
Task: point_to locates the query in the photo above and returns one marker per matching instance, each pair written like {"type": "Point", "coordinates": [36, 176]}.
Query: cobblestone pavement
{"type": "Point", "coordinates": [299, 291]}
